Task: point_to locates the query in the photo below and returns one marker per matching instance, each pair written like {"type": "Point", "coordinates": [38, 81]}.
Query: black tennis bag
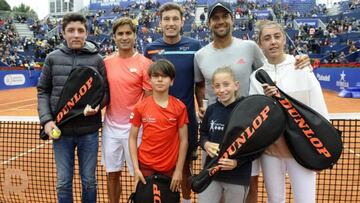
{"type": "Point", "coordinates": [84, 86]}
{"type": "Point", "coordinates": [254, 124]}
{"type": "Point", "coordinates": [312, 140]}
{"type": "Point", "coordinates": [156, 190]}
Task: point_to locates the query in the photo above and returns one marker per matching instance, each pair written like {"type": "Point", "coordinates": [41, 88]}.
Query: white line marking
{"type": "Point", "coordinates": [16, 108]}
{"type": "Point", "coordinates": [5, 104]}
{"type": "Point", "coordinates": [25, 153]}
{"type": "Point", "coordinates": [28, 108]}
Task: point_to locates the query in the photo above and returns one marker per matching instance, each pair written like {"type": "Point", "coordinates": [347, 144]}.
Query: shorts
{"type": "Point", "coordinates": [115, 150]}
{"type": "Point", "coordinates": [255, 168]}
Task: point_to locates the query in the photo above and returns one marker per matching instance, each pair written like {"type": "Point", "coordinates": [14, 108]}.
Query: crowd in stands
{"type": "Point", "coordinates": [16, 51]}
{"type": "Point", "coordinates": [29, 52]}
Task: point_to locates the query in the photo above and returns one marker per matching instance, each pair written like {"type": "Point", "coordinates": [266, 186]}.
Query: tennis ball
{"type": "Point", "coordinates": [55, 134]}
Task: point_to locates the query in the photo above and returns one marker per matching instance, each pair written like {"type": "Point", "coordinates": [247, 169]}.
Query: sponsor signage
{"type": "Point", "coordinates": [309, 21]}
{"type": "Point", "coordinates": [14, 79]}
{"type": "Point", "coordinates": [10, 79]}
{"type": "Point", "coordinates": [339, 78]}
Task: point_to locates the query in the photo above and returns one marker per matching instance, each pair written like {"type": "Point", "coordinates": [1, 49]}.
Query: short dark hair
{"type": "Point", "coordinates": [171, 6]}
{"type": "Point", "coordinates": [123, 21]}
{"type": "Point", "coordinates": [73, 17]}
{"type": "Point", "coordinates": [162, 67]}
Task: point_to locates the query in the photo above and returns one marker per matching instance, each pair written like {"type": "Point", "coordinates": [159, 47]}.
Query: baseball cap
{"type": "Point", "coordinates": [223, 4]}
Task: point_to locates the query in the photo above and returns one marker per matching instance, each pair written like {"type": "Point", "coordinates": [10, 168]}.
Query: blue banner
{"type": "Point", "coordinates": [309, 21]}
{"type": "Point", "coordinates": [11, 79]}
{"type": "Point", "coordinates": [299, 1]}
{"type": "Point", "coordinates": [338, 78]}
{"type": "Point", "coordinates": [263, 14]}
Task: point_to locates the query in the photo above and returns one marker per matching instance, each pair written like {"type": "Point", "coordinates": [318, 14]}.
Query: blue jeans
{"type": "Point", "coordinates": [87, 151]}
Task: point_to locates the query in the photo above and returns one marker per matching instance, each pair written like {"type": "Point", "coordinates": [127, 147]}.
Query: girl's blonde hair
{"type": "Point", "coordinates": [228, 70]}
{"type": "Point", "coordinates": [261, 24]}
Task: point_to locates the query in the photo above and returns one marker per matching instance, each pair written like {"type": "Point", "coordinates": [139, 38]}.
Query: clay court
{"type": "Point", "coordinates": [23, 102]}
{"type": "Point", "coordinates": [29, 160]}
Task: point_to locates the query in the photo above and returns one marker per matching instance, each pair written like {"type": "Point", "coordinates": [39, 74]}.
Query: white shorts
{"type": "Point", "coordinates": [115, 150]}
{"type": "Point", "coordinates": [255, 168]}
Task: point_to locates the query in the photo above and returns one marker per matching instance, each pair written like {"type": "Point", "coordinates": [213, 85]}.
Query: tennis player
{"type": "Point", "coordinates": [128, 85]}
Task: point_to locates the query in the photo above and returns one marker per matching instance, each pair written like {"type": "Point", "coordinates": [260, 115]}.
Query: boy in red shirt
{"type": "Point", "coordinates": [164, 119]}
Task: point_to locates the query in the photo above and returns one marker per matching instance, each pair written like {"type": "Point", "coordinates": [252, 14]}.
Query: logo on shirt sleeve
{"type": "Point", "coordinates": [131, 115]}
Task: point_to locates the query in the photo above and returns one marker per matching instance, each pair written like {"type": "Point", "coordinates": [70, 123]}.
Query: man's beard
{"type": "Point", "coordinates": [222, 35]}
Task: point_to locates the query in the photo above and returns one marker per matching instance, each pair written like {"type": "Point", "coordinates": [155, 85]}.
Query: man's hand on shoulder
{"type": "Point", "coordinates": [302, 61]}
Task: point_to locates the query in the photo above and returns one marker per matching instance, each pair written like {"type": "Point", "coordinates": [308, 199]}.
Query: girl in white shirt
{"type": "Point", "coordinates": [301, 85]}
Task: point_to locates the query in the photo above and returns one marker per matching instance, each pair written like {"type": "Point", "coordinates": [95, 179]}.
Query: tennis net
{"type": "Point", "coordinates": [27, 168]}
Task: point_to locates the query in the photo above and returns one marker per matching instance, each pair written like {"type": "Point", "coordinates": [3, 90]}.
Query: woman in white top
{"type": "Point", "coordinates": [302, 84]}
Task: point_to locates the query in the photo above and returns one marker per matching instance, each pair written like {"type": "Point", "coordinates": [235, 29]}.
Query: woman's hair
{"type": "Point", "coordinates": [228, 70]}
{"type": "Point", "coordinates": [262, 24]}
{"type": "Point", "coordinates": [162, 67]}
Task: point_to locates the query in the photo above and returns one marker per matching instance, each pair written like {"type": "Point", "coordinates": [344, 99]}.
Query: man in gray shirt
{"type": "Point", "coordinates": [242, 56]}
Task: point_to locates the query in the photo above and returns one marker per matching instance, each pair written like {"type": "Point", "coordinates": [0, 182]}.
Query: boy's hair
{"type": "Point", "coordinates": [73, 17]}
{"type": "Point", "coordinates": [228, 70]}
{"type": "Point", "coordinates": [162, 67]}
{"type": "Point", "coordinates": [261, 24]}
{"type": "Point", "coordinates": [171, 6]}
{"type": "Point", "coordinates": [123, 21]}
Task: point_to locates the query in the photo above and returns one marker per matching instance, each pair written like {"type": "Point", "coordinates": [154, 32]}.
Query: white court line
{"type": "Point", "coordinates": [5, 104]}
{"type": "Point", "coordinates": [26, 108]}
{"type": "Point", "coordinates": [25, 153]}
{"type": "Point", "coordinates": [16, 108]}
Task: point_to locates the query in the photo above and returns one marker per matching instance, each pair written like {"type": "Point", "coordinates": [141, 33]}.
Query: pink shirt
{"type": "Point", "coordinates": [127, 80]}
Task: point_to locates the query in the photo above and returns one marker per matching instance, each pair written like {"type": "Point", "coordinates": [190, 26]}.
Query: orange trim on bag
{"type": "Point", "coordinates": [157, 194]}
{"type": "Point", "coordinates": [242, 138]}
{"type": "Point", "coordinates": [74, 100]}
{"type": "Point", "coordinates": [306, 130]}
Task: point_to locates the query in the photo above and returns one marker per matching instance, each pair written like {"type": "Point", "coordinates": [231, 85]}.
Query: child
{"type": "Point", "coordinates": [233, 182]}
{"type": "Point", "coordinates": [301, 85]}
{"type": "Point", "coordinates": [164, 120]}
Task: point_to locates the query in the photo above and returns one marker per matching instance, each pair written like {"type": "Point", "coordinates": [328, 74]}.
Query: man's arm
{"type": "Point", "coordinates": [199, 86]}
{"type": "Point", "coordinates": [102, 70]}
{"type": "Point", "coordinates": [177, 176]}
{"type": "Point", "coordinates": [200, 95]}
{"type": "Point", "coordinates": [133, 153]}
{"type": "Point", "coordinates": [44, 89]}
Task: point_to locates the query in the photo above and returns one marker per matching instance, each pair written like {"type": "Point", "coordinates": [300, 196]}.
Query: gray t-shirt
{"type": "Point", "coordinates": [243, 56]}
